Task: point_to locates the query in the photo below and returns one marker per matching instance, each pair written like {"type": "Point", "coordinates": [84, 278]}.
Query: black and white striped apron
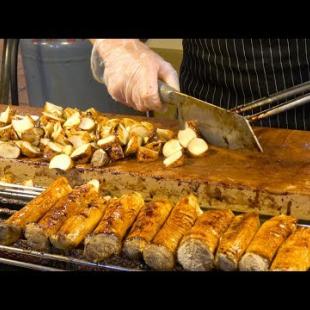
{"type": "Point", "coordinates": [230, 72]}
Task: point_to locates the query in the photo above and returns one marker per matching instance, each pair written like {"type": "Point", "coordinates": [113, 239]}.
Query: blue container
{"type": "Point", "coordinates": [59, 71]}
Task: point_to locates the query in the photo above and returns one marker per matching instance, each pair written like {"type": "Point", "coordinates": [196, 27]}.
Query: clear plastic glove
{"type": "Point", "coordinates": [131, 70]}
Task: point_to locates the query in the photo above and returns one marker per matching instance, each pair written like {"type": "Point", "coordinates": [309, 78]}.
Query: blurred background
{"type": "Point", "coordinates": [58, 70]}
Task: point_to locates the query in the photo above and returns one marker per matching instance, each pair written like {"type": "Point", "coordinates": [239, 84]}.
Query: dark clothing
{"type": "Point", "coordinates": [230, 72]}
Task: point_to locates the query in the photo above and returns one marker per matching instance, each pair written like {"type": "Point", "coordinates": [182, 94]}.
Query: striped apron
{"type": "Point", "coordinates": [230, 72]}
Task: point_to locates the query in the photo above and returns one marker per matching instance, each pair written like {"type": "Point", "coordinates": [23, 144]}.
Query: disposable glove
{"type": "Point", "coordinates": [130, 70]}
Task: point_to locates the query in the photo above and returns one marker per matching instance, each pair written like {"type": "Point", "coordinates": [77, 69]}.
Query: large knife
{"type": "Point", "coordinates": [218, 126]}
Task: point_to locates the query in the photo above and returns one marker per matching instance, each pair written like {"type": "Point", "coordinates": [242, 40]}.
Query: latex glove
{"type": "Point", "coordinates": [131, 70]}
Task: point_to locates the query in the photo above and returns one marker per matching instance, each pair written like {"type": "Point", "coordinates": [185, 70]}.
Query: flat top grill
{"type": "Point", "coordinates": [22, 256]}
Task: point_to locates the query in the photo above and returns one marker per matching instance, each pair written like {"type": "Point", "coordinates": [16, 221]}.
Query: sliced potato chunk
{"type": "Point", "coordinates": [197, 147]}
{"type": "Point", "coordinates": [53, 117]}
{"type": "Point", "coordinates": [116, 151]}
{"type": "Point", "coordinates": [55, 147]}
{"type": "Point", "coordinates": [155, 146]}
{"type": "Point", "coordinates": [87, 124]}
{"type": "Point", "coordinates": [172, 146]}
{"type": "Point", "coordinates": [9, 150]}
{"type": "Point", "coordinates": [62, 162]}
{"type": "Point", "coordinates": [7, 133]}
{"type": "Point", "coordinates": [68, 149]}
{"type": "Point", "coordinates": [194, 126]}
{"type": "Point", "coordinates": [122, 134]}
{"type": "Point", "coordinates": [6, 116]}
{"type": "Point", "coordinates": [73, 120]}
{"type": "Point", "coordinates": [28, 150]}
{"type": "Point", "coordinates": [33, 135]}
{"type": "Point", "coordinates": [79, 139]}
{"type": "Point", "coordinates": [22, 124]}
{"type": "Point", "coordinates": [133, 145]}
{"type": "Point", "coordinates": [164, 134]}
{"type": "Point", "coordinates": [82, 154]}
{"type": "Point", "coordinates": [185, 136]}
{"type": "Point", "coordinates": [53, 109]}
{"type": "Point", "coordinates": [174, 160]}
{"type": "Point", "coordinates": [100, 158]}
{"type": "Point", "coordinates": [106, 142]}
{"type": "Point", "coordinates": [140, 130]}
{"type": "Point", "coordinates": [145, 154]}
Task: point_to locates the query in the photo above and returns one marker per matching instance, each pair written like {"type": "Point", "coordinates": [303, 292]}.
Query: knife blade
{"type": "Point", "coordinates": [218, 126]}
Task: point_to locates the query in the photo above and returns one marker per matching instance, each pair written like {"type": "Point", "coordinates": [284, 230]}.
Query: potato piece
{"type": "Point", "coordinates": [197, 147]}
{"type": "Point", "coordinates": [144, 154]}
{"type": "Point", "coordinates": [57, 130]}
{"type": "Point", "coordinates": [68, 149]}
{"type": "Point", "coordinates": [133, 145]}
{"type": "Point", "coordinates": [48, 129]}
{"type": "Point", "coordinates": [62, 162]}
{"type": "Point", "coordinates": [122, 134]}
{"type": "Point", "coordinates": [140, 130]}
{"type": "Point", "coordinates": [28, 150]}
{"type": "Point", "coordinates": [55, 147]}
{"type": "Point", "coordinates": [68, 112]}
{"type": "Point", "coordinates": [91, 112]}
{"type": "Point", "coordinates": [174, 160]}
{"type": "Point", "coordinates": [22, 124]}
{"type": "Point", "coordinates": [194, 126]}
{"type": "Point", "coordinates": [6, 116]}
{"type": "Point", "coordinates": [104, 131]}
{"type": "Point", "coordinates": [80, 139]}
{"type": "Point", "coordinates": [186, 136]}
{"type": "Point", "coordinates": [128, 123]}
{"type": "Point", "coordinates": [44, 141]}
{"type": "Point", "coordinates": [170, 147]}
{"type": "Point", "coordinates": [9, 150]}
{"type": "Point", "coordinates": [106, 142]}
{"type": "Point", "coordinates": [52, 117]}
{"type": "Point", "coordinates": [113, 122]}
{"type": "Point", "coordinates": [33, 135]}
{"type": "Point", "coordinates": [155, 146]}
{"type": "Point", "coordinates": [116, 152]}
{"type": "Point", "coordinates": [87, 124]}
{"type": "Point", "coordinates": [164, 134]}
{"type": "Point", "coordinates": [53, 109]}
{"type": "Point", "coordinates": [100, 158]}
{"type": "Point", "coordinates": [7, 133]}
{"type": "Point", "coordinates": [73, 120]}
{"type": "Point", "coordinates": [82, 154]}
{"type": "Point", "coordinates": [150, 127]}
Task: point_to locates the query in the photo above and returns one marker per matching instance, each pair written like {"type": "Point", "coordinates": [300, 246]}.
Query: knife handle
{"type": "Point", "coordinates": [165, 92]}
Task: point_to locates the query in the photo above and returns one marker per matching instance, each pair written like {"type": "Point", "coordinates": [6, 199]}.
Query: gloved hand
{"type": "Point", "coordinates": [130, 71]}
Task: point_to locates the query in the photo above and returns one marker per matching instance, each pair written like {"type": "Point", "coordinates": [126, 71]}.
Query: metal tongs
{"type": "Point", "coordinates": [16, 191]}
{"type": "Point", "coordinates": [276, 97]}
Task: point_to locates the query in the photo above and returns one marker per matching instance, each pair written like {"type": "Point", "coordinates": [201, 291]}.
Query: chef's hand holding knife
{"type": "Point", "coordinates": [131, 70]}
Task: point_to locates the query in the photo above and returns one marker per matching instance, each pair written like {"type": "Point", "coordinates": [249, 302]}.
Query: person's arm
{"type": "Point", "coordinates": [130, 70]}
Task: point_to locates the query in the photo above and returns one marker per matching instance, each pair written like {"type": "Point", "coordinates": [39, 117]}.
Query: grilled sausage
{"type": "Point", "coordinates": [107, 238]}
{"type": "Point", "coordinates": [197, 248]}
{"type": "Point", "coordinates": [150, 219]}
{"type": "Point", "coordinates": [37, 234]}
{"type": "Point", "coordinates": [11, 229]}
{"type": "Point", "coordinates": [294, 254]}
{"type": "Point", "coordinates": [160, 254]}
{"type": "Point", "coordinates": [235, 241]}
{"type": "Point", "coordinates": [77, 227]}
{"type": "Point", "coordinates": [266, 243]}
